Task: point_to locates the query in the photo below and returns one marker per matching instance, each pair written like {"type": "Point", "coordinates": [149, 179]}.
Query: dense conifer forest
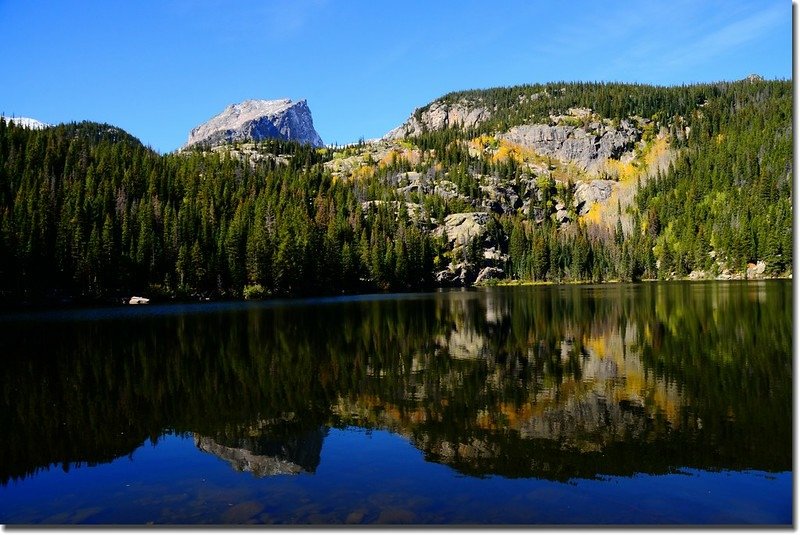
{"type": "Point", "coordinates": [86, 210]}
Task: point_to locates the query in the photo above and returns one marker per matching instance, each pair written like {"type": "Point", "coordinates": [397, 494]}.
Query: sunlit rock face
{"type": "Point", "coordinates": [579, 137]}
{"type": "Point", "coordinates": [256, 120]}
{"type": "Point", "coordinates": [441, 115]}
{"type": "Point", "coordinates": [587, 147]}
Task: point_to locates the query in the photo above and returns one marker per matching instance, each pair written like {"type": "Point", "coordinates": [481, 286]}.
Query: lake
{"type": "Point", "coordinates": [652, 403]}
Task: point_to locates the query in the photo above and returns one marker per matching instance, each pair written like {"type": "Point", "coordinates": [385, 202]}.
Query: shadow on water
{"type": "Point", "coordinates": [548, 382]}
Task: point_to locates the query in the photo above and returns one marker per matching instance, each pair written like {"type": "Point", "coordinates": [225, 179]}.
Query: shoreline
{"type": "Point", "coordinates": [66, 302]}
{"type": "Point", "coordinates": [515, 282]}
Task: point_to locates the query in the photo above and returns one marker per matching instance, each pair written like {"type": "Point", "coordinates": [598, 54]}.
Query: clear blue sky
{"type": "Point", "coordinates": [159, 68]}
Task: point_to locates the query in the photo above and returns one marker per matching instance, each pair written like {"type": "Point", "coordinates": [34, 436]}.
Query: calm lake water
{"type": "Point", "coordinates": [655, 403]}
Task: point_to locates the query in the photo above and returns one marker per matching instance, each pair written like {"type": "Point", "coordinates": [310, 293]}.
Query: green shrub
{"type": "Point", "coordinates": [255, 291]}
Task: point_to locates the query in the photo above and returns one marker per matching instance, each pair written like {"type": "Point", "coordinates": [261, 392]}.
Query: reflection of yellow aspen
{"type": "Point", "coordinates": [596, 346]}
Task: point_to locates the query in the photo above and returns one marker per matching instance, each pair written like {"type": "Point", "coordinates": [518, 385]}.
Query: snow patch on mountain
{"type": "Point", "coordinates": [26, 122]}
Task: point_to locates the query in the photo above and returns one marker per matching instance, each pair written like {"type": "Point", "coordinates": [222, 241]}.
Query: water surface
{"type": "Point", "coordinates": [619, 404]}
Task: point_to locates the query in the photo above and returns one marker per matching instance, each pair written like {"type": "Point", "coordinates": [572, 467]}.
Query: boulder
{"type": "Point", "coordinates": [461, 228]}
{"type": "Point", "coordinates": [562, 216]}
{"type": "Point", "coordinates": [456, 274]}
{"type": "Point", "coordinates": [756, 271]}
{"type": "Point", "coordinates": [489, 273]}
{"type": "Point", "coordinates": [494, 257]}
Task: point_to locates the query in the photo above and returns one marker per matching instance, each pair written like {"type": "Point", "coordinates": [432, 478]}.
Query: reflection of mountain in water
{"type": "Point", "coordinates": [546, 382]}
{"type": "Point", "coordinates": [265, 455]}
{"type": "Point", "coordinates": [611, 393]}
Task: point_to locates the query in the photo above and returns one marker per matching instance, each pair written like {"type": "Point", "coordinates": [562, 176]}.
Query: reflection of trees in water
{"type": "Point", "coordinates": [558, 381]}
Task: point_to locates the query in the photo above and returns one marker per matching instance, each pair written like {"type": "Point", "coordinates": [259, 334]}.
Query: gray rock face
{"type": "Point", "coordinates": [499, 198]}
{"type": "Point", "coordinates": [489, 272]}
{"type": "Point", "coordinates": [588, 193]}
{"type": "Point", "coordinates": [257, 120]}
{"type": "Point", "coordinates": [588, 149]}
{"type": "Point", "coordinates": [756, 271]}
{"type": "Point", "coordinates": [438, 116]}
{"type": "Point", "coordinates": [460, 229]}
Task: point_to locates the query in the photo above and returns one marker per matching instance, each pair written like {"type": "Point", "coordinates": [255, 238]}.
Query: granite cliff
{"type": "Point", "coordinates": [256, 120]}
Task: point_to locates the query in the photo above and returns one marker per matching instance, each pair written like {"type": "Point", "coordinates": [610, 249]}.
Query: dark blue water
{"type": "Point", "coordinates": [174, 482]}
{"type": "Point", "coordinates": [641, 404]}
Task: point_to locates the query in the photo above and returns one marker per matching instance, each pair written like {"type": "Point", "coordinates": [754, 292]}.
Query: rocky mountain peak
{"type": "Point", "coordinates": [259, 119]}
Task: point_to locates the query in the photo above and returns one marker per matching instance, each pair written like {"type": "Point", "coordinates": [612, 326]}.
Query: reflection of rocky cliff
{"type": "Point", "coordinates": [522, 393]}
{"type": "Point", "coordinates": [268, 455]}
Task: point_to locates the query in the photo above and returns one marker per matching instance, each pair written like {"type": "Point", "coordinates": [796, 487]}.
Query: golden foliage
{"type": "Point", "coordinates": [366, 171]}
{"type": "Point", "coordinates": [625, 172]}
{"type": "Point", "coordinates": [655, 151]}
{"type": "Point", "coordinates": [594, 215]}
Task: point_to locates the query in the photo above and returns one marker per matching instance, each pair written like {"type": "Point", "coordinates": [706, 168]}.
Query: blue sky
{"type": "Point", "coordinates": [160, 68]}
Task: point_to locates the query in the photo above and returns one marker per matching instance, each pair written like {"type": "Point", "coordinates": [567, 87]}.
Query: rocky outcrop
{"type": "Point", "coordinates": [471, 250]}
{"type": "Point", "coordinates": [586, 147]}
{"type": "Point", "coordinates": [580, 137]}
{"type": "Point", "coordinates": [588, 193]}
{"type": "Point", "coordinates": [257, 120]}
{"type": "Point", "coordinates": [462, 228]}
{"type": "Point", "coordinates": [488, 273]}
{"type": "Point", "coordinates": [756, 271]}
{"type": "Point", "coordinates": [499, 197]}
{"type": "Point", "coordinates": [440, 115]}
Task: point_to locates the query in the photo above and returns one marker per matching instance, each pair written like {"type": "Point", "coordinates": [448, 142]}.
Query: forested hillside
{"type": "Point", "coordinates": [559, 182]}
{"type": "Point", "coordinates": [88, 210]}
